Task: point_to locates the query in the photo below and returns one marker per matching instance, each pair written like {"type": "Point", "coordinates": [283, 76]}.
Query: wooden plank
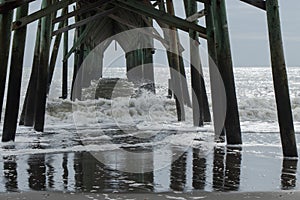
{"type": "Point", "coordinates": [89, 7]}
{"type": "Point", "coordinates": [41, 13]}
{"type": "Point", "coordinates": [285, 116]}
{"type": "Point", "coordinates": [256, 3]}
{"type": "Point", "coordinates": [6, 6]}
{"type": "Point", "coordinates": [149, 11]}
{"type": "Point", "coordinates": [83, 22]}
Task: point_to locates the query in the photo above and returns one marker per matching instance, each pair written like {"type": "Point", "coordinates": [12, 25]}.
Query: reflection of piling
{"type": "Point", "coordinates": [288, 173]}
{"type": "Point", "coordinates": [10, 173]}
{"type": "Point", "coordinates": [199, 170]}
{"type": "Point", "coordinates": [227, 169]}
{"type": "Point", "coordinates": [178, 173]}
{"type": "Point", "coordinates": [285, 117]}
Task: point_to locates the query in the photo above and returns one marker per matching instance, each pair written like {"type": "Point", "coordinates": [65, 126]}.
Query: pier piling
{"type": "Point", "coordinates": [225, 66]}
{"type": "Point", "coordinates": [280, 80]}
{"type": "Point", "coordinates": [5, 37]}
{"type": "Point", "coordinates": [42, 80]}
{"type": "Point", "coordinates": [15, 78]}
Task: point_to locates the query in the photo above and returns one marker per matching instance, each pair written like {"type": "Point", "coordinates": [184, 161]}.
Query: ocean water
{"type": "Point", "coordinates": [137, 145]}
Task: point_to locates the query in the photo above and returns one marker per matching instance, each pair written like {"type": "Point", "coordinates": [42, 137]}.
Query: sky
{"type": "Point", "coordinates": [248, 34]}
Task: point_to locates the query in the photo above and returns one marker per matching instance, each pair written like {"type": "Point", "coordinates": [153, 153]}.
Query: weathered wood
{"type": "Point", "coordinates": [196, 15]}
{"type": "Point", "coordinates": [6, 6]}
{"type": "Point", "coordinates": [186, 94]}
{"type": "Point", "coordinates": [257, 3]}
{"type": "Point", "coordinates": [201, 111]}
{"type": "Point", "coordinates": [204, 1]}
{"type": "Point", "coordinates": [65, 63]}
{"type": "Point", "coordinates": [54, 55]}
{"type": "Point", "coordinates": [84, 21]}
{"type": "Point", "coordinates": [87, 8]}
{"type": "Point", "coordinates": [5, 35]}
{"type": "Point", "coordinates": [40, 107]}
{"type": "Point", "coordinates": [171, 20]}
{"type": "Point", "coordinates": [280, 80]}
{"type": "Point", "coordinates": [79, 40]}
{"type": "Point", "coordinates": [15, 78]}
{"type": "Point", "coordinates": [225, 66]}
{"type": "Point", "coordinates": [175, 66]}
{"type": "Point", "coordinates": [197, 100]}
{"type": "Point", "coordinates": [30, 98]}
{"type": "Point", "coordinates": [27, 116]}
{"type": "Point", "coordinates": [217, 101]}
{"type": "Point", "coordinates": [41, 13]}
{"type": "Point", "coordinates": [148, 72]}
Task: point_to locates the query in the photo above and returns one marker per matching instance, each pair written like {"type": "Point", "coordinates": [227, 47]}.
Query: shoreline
{"type": "Point", "coordinates": [287, 195]}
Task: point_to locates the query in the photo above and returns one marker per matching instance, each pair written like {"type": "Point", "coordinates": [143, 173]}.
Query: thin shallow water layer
{"type": "Point", "coordinates": [39, 162]}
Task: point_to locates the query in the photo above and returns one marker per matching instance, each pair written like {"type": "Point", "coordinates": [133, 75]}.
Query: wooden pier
{"type": "Point", "coordinates": [97, 20]}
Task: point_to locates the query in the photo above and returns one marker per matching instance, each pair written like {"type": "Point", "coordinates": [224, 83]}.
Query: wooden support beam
{"type": "Point", "coordinates": [205, 1]}
{"type": "Point", "coordinates": [5, 35]}
{"type": "Point", "coordinates": [41, 96]}
{"type": "Point", "coordinates": [15, 79]}
{"type": "Point", "coordinates": [27, 116]}
{"type": "Point", "coordinates": [41, 13]}
{"type": "Point", "coordinates": [174, 63]}
{"type": "Point", "coordinates": [80, 39]}
{"type": "Point", "coordinates": [84, 9]}
{"type": "Point", "coordinates": [54, 55]}
{"type": "Point", "coordinates": [215, 84]}
{"type": "Point", "coordinates": [195, 16]}
{"type": "Point", "coordinates": [149, 11]}
{"type": "Point", "coordinates": [256, 3]}
{"type": "Point", "coordinates": [6, 6]}
{"type": "Point", "coordinates": [201, 111]}
{"type": "Point", "coordinates": [285, 117]}
{"type": "Point", "coordinates": [225, 66]}
{"type": "Point", "coordinates": [65, 63]}
{"type": "Point", "coordinates": [84, 21]}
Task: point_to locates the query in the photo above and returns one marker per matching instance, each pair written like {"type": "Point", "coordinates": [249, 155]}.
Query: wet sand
{"type": "Point", "coordinates": [291, 195]}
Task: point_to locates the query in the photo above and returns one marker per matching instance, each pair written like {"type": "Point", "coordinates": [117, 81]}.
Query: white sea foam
{"type": "Point", "coordinates": [66, 121]}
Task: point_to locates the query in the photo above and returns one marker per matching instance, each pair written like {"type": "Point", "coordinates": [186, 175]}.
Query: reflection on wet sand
{"type": "Point", "coordinates": [82, 172]}
{"type": "Point", "coordinates": [288, 175]}
{"type": "Point", "coordinates": [10, 173]}
{"type": "Point", "coordinates": [199, 170]}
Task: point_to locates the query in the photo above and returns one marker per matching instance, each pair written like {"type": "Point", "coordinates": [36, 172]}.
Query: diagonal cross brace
{"type": "Point", "coordinates": [146, 10]}
{"type": "Point", "coordinates": [41, 13]}
{"type": "Point", "coordinates": [12, 4]}
{"type": "Point", "coordinates": [256, 3]}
